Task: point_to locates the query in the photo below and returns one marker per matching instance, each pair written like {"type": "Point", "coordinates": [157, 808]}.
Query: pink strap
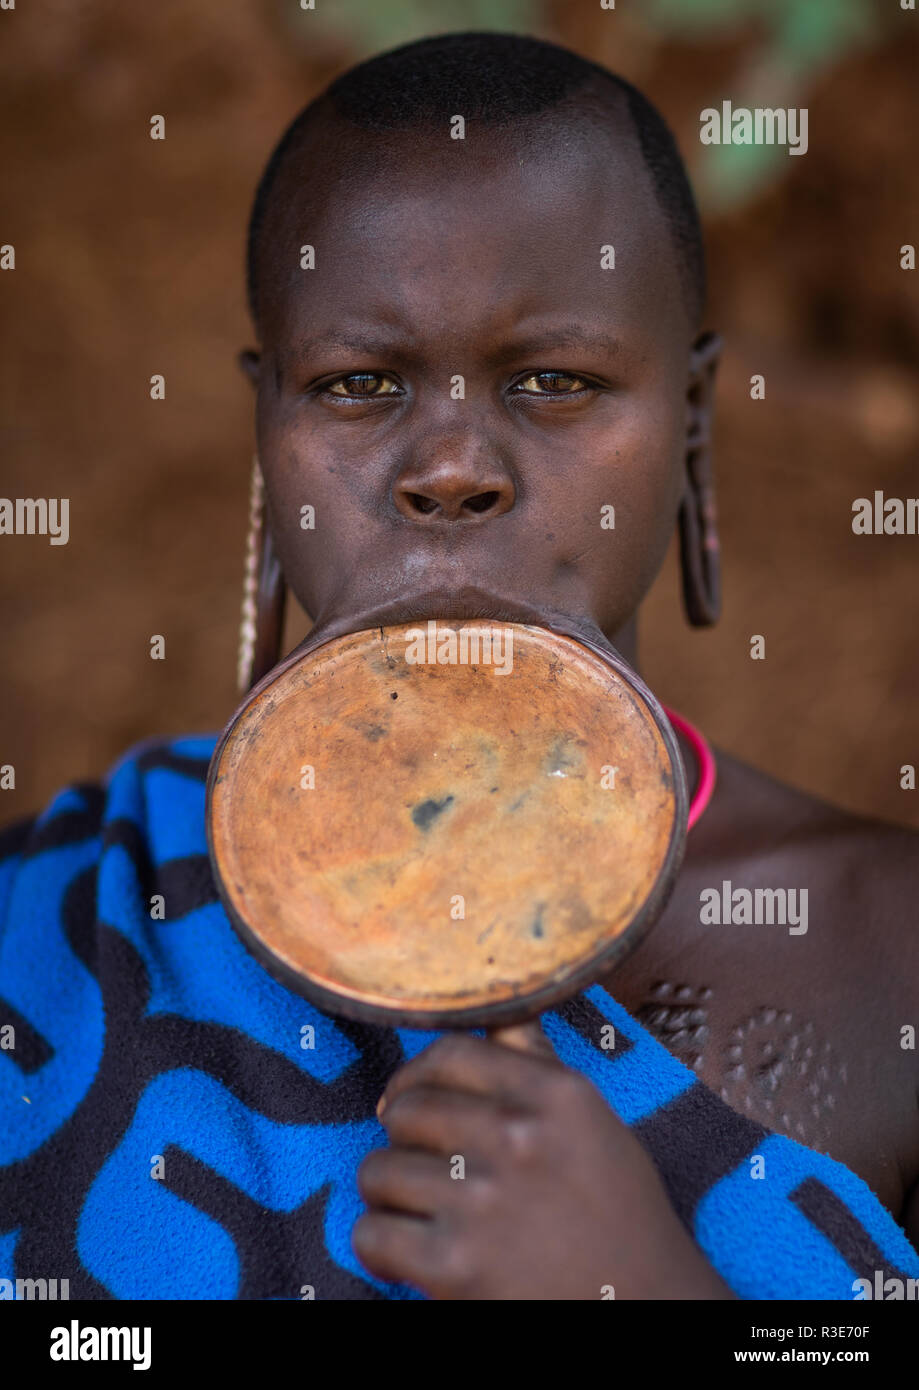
{"type": "Point", "coordinates": [705, 782]}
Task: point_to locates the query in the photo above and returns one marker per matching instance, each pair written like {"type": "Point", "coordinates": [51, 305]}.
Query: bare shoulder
{"type": "Point", "coordinates": [806, 954]}
{"type": "Point", "coordinates": [862, 872]}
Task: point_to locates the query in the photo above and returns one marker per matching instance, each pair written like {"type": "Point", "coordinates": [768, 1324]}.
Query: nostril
{"type": "Point", "coordinates": [482, 502]}
{"type": "Point", "coordinates": [422, 504]}
{"type": "Point", "coordinates": [478, 504]}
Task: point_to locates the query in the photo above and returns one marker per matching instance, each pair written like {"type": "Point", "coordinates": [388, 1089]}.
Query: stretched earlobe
{"type": "Point", "coordinates": [700, 548]}
{"type": "Point", "coordinates": [261, 628]}
{"type": "Point", "coordinates": [249, 362]}
{"type": "Point", "coordinates": [700, 558]}
{"type": "Point", "coordinates": [705, 352]}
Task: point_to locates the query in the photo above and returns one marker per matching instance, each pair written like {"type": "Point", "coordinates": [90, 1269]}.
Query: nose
{"type": "Point", "coordinates": [454, 481]}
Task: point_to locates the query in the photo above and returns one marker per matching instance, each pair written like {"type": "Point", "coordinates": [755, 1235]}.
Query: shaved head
{"type": "Point", "coordinates": [501, 83]}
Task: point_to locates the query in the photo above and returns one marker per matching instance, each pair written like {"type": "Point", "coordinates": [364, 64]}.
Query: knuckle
{"type": "Point", "coordinates": [480, 1194]}
{"type": "Point", "coordinates": [522, 1137]}
{"type": "Point", "coordinates": [456, 1274]}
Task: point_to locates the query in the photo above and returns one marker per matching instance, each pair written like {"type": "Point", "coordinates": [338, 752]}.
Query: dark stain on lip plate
{"type": "Point", "coordinates": [536, 928]}
{"type": "Point", "coordinates": [426, 812]}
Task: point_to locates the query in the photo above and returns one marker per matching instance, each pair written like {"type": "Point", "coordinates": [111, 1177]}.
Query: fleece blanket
{"type": "Point", "coordinates": [175, 1124]}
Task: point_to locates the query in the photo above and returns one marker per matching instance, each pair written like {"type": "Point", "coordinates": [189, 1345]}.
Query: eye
{"type": "Point", "coordinates": [559, 384]}
{"type": "Point", "coordinates": [360, 386]}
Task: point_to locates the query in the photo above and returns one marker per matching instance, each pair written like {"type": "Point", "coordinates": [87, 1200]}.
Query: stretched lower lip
{"type": "Point", "coordinates": [462, 603]}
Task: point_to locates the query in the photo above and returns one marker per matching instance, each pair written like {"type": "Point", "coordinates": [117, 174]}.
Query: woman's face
{"type": "Point", "coordinates": [481, 387]}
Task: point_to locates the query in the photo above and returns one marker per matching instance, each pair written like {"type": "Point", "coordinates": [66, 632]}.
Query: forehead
{"type": "Point", "coordinates": [469, 237]}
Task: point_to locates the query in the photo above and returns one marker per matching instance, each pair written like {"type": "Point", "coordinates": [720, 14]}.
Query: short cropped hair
{"type": "Point", "coordinates": [494, 79]}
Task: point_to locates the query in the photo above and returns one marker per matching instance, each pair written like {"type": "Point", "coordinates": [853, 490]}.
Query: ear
{"type": "Point", "coordinates": [704, 357]}
{"type": "Point", "coordinates": [700, 549]}
{"type": "Point", "coordinates": [249, 362]}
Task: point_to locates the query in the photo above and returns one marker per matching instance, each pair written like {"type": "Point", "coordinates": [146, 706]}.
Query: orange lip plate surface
{"type": "Point", "coordinates": [444, 842]}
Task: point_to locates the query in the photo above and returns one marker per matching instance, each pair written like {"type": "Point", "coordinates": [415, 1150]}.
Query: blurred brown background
{"type": "Point", "coordinates": [130, 262]}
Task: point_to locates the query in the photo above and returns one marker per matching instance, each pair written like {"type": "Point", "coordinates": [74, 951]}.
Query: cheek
{"type": "Point", "coordinates": [637, 470]}
{"type": "Point", "coordinates": [628, 500]}
{"type": "Point", "coordinates": [318, 519]}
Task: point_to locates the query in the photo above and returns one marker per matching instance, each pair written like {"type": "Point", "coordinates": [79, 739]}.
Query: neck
{"type": "Point", "coordinates": [625, 640]}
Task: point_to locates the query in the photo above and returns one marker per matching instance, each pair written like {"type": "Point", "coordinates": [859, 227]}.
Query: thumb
{"type": "Point", "coordinates": [523, 1037]}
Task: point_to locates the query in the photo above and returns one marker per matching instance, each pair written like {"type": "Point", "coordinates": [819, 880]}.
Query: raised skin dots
{"type": "Point", "coordinates": [771, 1067]}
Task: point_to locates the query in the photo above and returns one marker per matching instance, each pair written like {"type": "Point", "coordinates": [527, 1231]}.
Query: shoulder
{"type": "Point", "coordinates": [855, 973]}
{"type": "Point", "coordinates": [769, 814]}
{"type": "Point", "coordinates": [862, 874]}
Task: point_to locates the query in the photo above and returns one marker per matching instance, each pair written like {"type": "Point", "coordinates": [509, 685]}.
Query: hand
{"type": "Point", "coordinates": [510, 1177]}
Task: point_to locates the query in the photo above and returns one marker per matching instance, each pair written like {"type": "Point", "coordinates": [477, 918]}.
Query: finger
{"type": "Point", "coordinates": [444, 1122]}
{"type": "Point", "coordinates": [406, 1180]}
{"type": "Point", "coordinates": [463, 1063]}
{"type": "Point", "coordinates": [525, 1037]}
{"type": "Point", "coordinates": [400, 1249]}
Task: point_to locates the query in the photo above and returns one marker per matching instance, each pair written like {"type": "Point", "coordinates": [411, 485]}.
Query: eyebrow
{"type": "Point", "coordinates": [564, 336]}
{"type": "Point", "coordinates": [362, 342]}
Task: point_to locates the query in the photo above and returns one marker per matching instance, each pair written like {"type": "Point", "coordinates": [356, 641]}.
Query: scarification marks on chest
{"type": "Point", "coordinates": [677, 1015]}
{"type": "Point", "coordinates": [775, 1064]}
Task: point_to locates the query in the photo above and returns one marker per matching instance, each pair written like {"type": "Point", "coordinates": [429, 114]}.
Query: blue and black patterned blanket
{"type": "Point", "coordinates": [175, 1124]}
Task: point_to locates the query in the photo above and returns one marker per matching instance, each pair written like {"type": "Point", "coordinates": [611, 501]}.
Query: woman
{"type": "Point", "coordinates": [476, 336]}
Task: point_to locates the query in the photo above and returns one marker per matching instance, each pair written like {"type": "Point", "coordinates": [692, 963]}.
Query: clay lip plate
{"type": "Point", "coordinates": [435, 843]}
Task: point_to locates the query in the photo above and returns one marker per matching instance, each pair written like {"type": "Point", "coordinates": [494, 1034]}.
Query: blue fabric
{"type": "Point", "coordinates": [167, 1131]}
